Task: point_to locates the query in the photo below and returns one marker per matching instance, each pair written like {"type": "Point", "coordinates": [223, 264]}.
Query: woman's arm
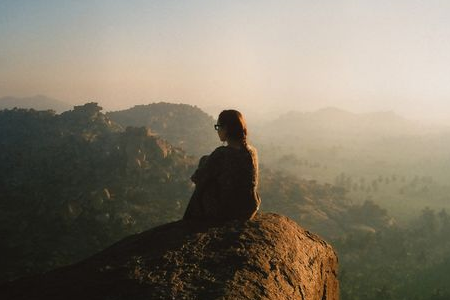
{"type": "Point", "coordinates": [208, 168]}
{"type": "Point", "coordinates": [201, 166]}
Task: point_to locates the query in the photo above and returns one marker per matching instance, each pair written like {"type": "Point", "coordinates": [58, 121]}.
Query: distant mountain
{"type": "Point", "coordinates": [335, 123]}
{"type": "Point", "coordinates": [182, 125]}
{"type": "Point", "coordinates": [38, 102]}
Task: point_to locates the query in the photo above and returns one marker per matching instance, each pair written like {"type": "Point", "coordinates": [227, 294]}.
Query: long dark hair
{"type": "Point", "coordinates": [235, 125]}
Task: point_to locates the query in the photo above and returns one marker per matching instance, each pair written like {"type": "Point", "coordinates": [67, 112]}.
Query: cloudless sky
{"type": "Point", "coordinates": [255, 55]}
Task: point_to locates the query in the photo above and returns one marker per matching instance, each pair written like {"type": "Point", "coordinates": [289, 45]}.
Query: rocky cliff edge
{"type": "Point", "coordinates": [269, 257]}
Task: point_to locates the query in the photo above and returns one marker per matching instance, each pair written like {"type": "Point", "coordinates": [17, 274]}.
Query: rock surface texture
{"type": "Point", "coordinates": [269, 257]}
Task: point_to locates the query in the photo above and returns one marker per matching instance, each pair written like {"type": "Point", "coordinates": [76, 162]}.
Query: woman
{"type": "Point", "coordinates": [226, 181]}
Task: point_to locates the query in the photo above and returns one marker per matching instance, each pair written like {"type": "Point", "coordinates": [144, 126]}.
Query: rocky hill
{"type": "Point", "coordinates": [72, 184]}
{"type": "Point", "coordinates": [183, 125]}
{"type": "Point", "coordinates": [269, 257]}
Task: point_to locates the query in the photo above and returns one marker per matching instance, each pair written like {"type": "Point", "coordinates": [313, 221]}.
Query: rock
{"type": "Point", "coordinates": [91, 108]}
{"type": "Point", "coordinates": [269, 257]}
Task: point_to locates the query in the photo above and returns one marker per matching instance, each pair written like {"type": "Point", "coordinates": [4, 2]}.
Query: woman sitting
{"type": "Point", "coordinates": [226, 181]}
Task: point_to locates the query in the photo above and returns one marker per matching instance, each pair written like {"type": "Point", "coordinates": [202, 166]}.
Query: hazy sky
{"type": "Point", "coordinates": [272, 55]}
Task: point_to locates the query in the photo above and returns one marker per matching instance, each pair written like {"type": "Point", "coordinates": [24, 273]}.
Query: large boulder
{"type": "Point", "coordinates": [270, 257]}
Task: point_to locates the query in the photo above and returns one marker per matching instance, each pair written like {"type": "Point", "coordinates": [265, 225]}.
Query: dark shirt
{"type": "Point", "coordinates": [226, 185]}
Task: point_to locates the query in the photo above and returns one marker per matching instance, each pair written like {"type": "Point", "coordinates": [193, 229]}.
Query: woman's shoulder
{"type": "Point", "coordinates": [218, 152]}
{"type": "Point", "coordinates": [220, 149]}
{"type": "Point", "coordinates": [247, 147]}
{"type": "Point", "coordinates": [224, 150]}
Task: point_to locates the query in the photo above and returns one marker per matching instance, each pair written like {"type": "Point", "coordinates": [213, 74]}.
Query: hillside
{"type": "Point", "coordinates": [74, 183]}
{"type": "Point", "coordinates": [184, 126]}
{"type": "Point", "coordinates": [322, 208]}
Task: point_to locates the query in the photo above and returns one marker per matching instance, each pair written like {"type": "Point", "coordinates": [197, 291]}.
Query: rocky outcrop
{"type": "Point", "coordinates": [182, 125]}
{"type": "Point", "coordinates": [269, 257]}
{"type": "Point", "coordinates": [141, 146]}
{"type": "Point", "coordinates": [74, 183]}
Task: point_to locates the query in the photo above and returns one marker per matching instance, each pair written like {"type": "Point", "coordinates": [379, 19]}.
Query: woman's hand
{"type": "Point", "coordinates": [203, 160]}
{"type": "Point", "coordinates": [201, 165]}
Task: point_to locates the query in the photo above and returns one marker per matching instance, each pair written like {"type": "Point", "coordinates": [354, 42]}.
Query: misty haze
{"type": "Point", "coordinates": [107, 109]}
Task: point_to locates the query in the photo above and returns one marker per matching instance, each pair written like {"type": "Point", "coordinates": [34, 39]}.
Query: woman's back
{"type": "Point", "coordinates": [239, 170]}
{"type": "Point", "coordinates": [226, 185]}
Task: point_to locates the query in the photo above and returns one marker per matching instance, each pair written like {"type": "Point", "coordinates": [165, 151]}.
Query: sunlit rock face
{"type": "Point", "coordinates": [142, 147]}
{"type": "Point", "coordinates": [270, 257]}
